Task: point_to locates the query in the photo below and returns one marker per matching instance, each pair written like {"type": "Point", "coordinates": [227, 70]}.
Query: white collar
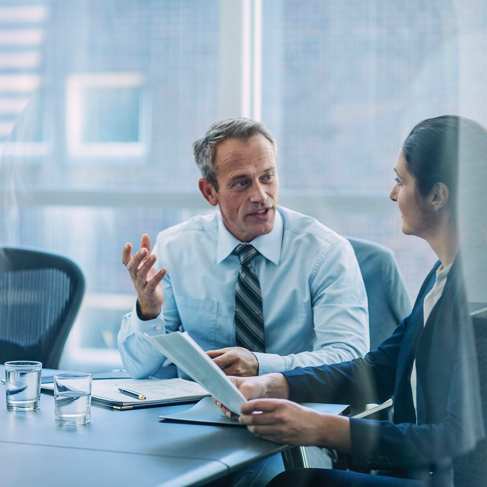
{"type": "Point", "coordinates": [268, 245]}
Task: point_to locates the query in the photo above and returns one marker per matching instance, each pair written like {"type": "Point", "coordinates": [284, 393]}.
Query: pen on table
{"type": "Point", "coordinates": [129, 392]}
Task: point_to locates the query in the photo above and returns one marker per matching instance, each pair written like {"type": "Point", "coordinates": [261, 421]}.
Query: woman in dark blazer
{"type": "Point", "coordinates": [427, 366]}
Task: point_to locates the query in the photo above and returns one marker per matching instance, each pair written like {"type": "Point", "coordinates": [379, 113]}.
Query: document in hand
{"type": "Point", "coordinates": [181, 349]}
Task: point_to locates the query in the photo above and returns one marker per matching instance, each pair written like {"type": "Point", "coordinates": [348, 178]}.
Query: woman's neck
{"type": "Point", "coordinates": [445, 242]}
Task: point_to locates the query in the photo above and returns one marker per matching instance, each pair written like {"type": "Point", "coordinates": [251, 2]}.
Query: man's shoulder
{"type": "Point", "coordinates": [298, 225]}
{"type": "Point", "coordinates": [200, 225]}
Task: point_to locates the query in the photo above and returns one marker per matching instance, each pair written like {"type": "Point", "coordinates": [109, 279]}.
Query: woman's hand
{"type": "Point", "coordinates": [289, 423]}
{"type": "Point", "coordinates": [270, 385]}
{"type": "Point", "coordinates": [283, 421]}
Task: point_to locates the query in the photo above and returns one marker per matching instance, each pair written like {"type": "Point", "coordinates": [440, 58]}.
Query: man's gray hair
{"type": "Point", "coordinates": [232, 128]}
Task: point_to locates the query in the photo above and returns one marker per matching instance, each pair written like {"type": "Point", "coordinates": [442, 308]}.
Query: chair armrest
{"type": "Point", "coordinates": [371, 409]}
{"type": "Point", "coordinates": [295, 457]}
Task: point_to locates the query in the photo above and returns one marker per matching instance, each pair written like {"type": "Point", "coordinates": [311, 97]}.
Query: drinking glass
{"type": "Point", "coordinates": [23, 385]}
{"type": "Point", "coordinates": [72, 398]}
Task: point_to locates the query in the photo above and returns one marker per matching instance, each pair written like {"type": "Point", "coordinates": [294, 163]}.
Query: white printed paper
{"type": "Point", "coordinates": [181, 349]}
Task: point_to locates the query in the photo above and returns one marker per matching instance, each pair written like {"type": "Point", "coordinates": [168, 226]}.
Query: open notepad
{"type": "Point", "coordinates": [157, 392]}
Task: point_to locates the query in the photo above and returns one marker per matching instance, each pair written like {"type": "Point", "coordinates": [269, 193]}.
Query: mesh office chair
{"type": "Point", "coordinates": [40, 295]}
{"type": "Point", "coordinates": [471, 469]}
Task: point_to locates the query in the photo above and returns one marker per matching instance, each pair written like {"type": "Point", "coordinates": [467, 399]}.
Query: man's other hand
{"type": "Point", "coordinates": [145, 277]}
{"type": "Point", "coordinates": [235, 361]}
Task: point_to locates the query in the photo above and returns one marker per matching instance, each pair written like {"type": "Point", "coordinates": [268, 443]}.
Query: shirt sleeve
{"type": "Point", "coordinates": [139, 357]}
{"type": "Point", "coordinates": [340, 315]}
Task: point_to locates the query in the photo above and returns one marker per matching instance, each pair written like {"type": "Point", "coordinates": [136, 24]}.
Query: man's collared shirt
{"type": "Point", "coordinates": [314, 300]}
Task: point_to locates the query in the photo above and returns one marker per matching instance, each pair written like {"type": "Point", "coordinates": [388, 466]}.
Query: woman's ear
{"type": "Point", "coordinates": [439, 196]}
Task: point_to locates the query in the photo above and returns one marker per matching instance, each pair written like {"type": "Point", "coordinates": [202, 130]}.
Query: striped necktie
{"type": "Point", "coordinates": [249, 319]}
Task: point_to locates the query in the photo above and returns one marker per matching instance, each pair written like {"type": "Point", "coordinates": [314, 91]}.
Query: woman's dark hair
{"type": "Point", "coordinates": [434, 148]}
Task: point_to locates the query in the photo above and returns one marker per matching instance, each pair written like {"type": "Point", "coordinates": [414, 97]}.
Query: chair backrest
{"type": "Point", "coordinates": [388, 297]}
{"type": "Point", "coordinates": [470, 470]}
{"type": "Point", "coordinates": [40, 295]}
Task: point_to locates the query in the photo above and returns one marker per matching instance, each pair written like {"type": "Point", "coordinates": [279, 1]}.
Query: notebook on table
{"type": "Point", "coordinates": [158, 392]}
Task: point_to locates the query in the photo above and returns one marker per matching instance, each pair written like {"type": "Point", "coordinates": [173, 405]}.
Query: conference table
{"type": "Point", "coordinates": [122, 448]}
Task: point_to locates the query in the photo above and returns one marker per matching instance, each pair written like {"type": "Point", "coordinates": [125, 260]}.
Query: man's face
{"type": "Point", "coordinates": [248, 186]}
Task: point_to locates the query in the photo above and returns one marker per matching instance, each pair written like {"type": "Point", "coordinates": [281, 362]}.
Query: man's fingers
{"type": "Point", "coordinates": [145, 242]}
{"type": "Point", "coordinates": [144, 268]}
{"type": "Point", "coordinates": [126, 253]}
{"type": "Point", "coordinates": [224, 360]}
{"type": "Point", "coordinates": [216, 353]}
{"type": "Point", "coordinates": [136, 261]}
{"type": "Point", "coordinates": [232, 369]}
{"type": "Point", "coordinates": [156, 280]}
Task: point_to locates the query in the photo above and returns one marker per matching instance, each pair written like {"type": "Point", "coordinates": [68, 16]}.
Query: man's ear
{"type": "Point", "coordinates": [208, 191]}
{"type": "Point", "coordinates": [439, 196]}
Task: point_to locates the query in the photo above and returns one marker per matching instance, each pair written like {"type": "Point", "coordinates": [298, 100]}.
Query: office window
{"type": "Point", "coordinates": [101, 101]}
{"type": "Point", "coordinates": [119, 93]}
{"type": "Point", "coordinates": [344, 83]}
{"type": "Point", "coordinates": [111, 115]}
{"type": "Point", "coordinates": [107, 115]}
{"type": "Point", "coordinates": [23, 113]}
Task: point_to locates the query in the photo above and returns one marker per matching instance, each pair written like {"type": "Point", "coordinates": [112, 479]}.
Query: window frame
{"type": "Point", "coordinates": [76, 148]}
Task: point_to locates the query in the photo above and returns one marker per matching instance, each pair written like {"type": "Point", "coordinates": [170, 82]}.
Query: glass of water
{"type": "Point", "coordinates": [23, 385]}
{"type": "Point", "coordinates": [72, 398]}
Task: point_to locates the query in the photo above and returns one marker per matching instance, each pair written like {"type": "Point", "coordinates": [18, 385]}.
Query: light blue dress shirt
{"type": "Point", "coordinates": [314, 300]}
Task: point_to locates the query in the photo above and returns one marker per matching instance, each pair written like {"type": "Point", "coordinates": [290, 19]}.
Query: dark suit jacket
{"type": "Point", "coordinates": [449, 421]}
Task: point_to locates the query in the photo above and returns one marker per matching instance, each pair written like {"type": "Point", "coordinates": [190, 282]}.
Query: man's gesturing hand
{"type": "Point", "coordinates": [145, 277]}
{"type": "Point", "coordinates": [235, 361]}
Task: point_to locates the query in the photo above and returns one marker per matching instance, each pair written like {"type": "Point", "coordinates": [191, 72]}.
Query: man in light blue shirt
{"type": "Point", "coordinates": [312, 299]}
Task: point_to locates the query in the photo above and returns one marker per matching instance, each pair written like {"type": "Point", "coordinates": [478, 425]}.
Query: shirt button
{"type": "Point", "coordinates": [158, 327]}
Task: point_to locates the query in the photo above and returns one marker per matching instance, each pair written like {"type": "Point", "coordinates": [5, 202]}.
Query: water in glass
{"type": "Point", "coordinates": [72, 407]}
{"type": "Point", "coordinates": [22, 389]}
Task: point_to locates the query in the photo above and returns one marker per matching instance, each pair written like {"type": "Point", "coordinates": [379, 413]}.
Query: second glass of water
{"type": "Point", "coordinates": [72, 398]}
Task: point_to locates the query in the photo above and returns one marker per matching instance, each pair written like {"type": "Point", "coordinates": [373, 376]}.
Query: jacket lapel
{"type": "Point", "coordinates": [403, 400]}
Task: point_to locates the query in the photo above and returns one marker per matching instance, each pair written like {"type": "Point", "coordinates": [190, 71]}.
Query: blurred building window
{"type": "Point", "coordinates": [107, 115]}
{"type": "Point", "coordinates": [100, 102]}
